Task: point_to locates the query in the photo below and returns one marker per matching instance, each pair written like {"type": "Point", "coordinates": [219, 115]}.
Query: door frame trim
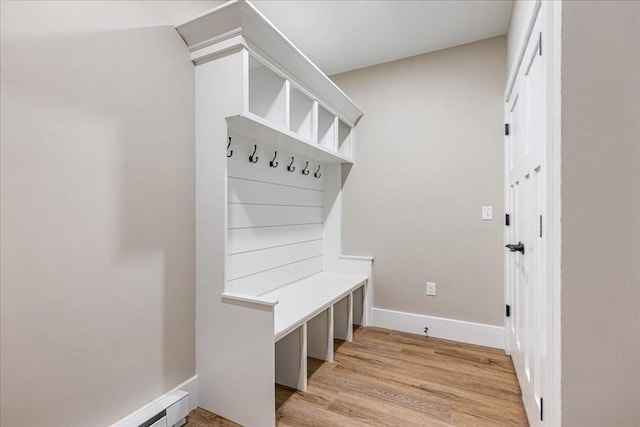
{"type": "Point", "coordinates": [521, 47]}
{"type": "Point", "coordinates": [551, 13]}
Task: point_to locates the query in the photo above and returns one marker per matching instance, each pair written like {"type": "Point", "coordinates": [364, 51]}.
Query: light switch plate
{"type": "Point", "coordinates": [431, 288]}
{"type": "Point", "coordinates": [487, 213]}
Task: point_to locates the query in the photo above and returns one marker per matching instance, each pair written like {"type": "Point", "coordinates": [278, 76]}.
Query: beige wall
{"type": "Point", "coordinates": [97, 170]}
{"type": "Point", "coordinates": [601, 214]}
{"type": "Point", "coordinates": [428, 156]}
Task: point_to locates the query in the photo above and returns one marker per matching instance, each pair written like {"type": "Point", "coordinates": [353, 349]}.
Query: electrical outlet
{"type": "Point", "coordinates": [431, 288]}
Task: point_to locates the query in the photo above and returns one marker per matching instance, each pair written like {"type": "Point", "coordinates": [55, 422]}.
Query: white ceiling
{"type": "Point", "coordinates": [343, 35]}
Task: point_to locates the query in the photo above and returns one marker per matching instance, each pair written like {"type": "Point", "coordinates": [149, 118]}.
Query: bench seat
{"type": "Point", "coordinates": [303, 299]}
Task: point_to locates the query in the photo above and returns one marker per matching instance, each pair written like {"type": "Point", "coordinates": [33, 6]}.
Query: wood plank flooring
{"type": "Point", "coordinates": [388, 378]}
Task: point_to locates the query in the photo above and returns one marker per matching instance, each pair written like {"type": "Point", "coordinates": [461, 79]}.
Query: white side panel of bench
{"type": "Point", "coordinates": [224, 363]}
{"type": "Point", "coordinates": [263, 282]}
{"type": "Point", "coordinates": [244, 216]}
{"type": "Point", "coordinates": [255, 262]}
{"type": "Point", "coordinates": [250, 239]}
{"type": "Point", "coordinates": [243, 353]}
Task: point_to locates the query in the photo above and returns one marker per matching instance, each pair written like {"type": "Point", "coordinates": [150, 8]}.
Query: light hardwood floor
{"type": "Point", "coordinates": [388, 378]}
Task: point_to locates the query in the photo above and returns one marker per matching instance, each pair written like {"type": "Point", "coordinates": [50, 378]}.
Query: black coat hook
{"type": "Point", "coordinates": [253, 158]}
{"type": "Point", "coordinates": [273, 162]}
{"type": "Point", "coordinates": [230, 152]}
{"type": "Point", "coordinates": [317, 173]}
{"type": "Point", "coordinates": [305, 171]}
{"type": "Point", "coordinates": [291, 168]}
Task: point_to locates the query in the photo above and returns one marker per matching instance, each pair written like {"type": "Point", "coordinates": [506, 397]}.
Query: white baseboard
{"type": "Point", "coordinates": [455, 330]}
{"type": "Point", "coordinates": [190, 386]}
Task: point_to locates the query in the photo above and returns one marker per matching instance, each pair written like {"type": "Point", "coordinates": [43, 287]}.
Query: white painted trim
{"type": "Point", "coordinates": [552, 12]}
{"type": "Point", "coordinates": [216, 51]}
{"type": "Point", "coordinates": [231, 297]}
{"type": "Point", "coordinates": [190, 386]}
{"type": "Point", "coordinates": [439, 327]}
{"type": "Point", "coordinates": [356, 258]}
{"type": "Point", "coordinates": [554, 203]}
{"type": "Point", "coordinates": [522, 44]}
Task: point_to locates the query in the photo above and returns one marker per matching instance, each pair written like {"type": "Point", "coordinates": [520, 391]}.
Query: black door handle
{"type": "Point", "coordinates": [519, 247]}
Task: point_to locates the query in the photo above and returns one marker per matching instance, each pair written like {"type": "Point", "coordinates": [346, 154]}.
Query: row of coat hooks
{"type": "Point", "coordinates": [273, 163]}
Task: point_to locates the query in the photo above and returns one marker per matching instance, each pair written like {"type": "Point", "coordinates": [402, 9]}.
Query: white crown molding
{"type": "Point", "coordinates": [241, 18]}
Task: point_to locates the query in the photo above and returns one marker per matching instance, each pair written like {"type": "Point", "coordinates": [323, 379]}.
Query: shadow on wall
{"type": "Point", "coordinates": [98, 262]}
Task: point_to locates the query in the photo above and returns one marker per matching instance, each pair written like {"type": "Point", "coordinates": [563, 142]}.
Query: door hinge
{"type": "Point", "coordinates": [507, 310]}
{"type": "Point", "coordinates": [506, 129]}
{"type": "Point", "coordinates": [540, 226]}
{"type": "Point", "coordinates": [540, 43]}
{"type": "Point", "coordinates": [507, 220]}
{"type": "Point", "coordinates": [541, 409]}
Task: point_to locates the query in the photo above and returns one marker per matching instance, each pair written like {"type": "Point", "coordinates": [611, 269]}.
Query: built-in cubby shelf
{"type": "Point", "coordinates": [275, 102]}
{"type": "Point", "coordinates": [257, 129]}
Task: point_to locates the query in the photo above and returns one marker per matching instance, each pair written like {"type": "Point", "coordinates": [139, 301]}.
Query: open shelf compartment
{"type": "Point", "coordinates": [267, 93]}
{"type": "Point", "coordinates": [301, 114]}
{"type": "Point", "coordinates": [345, 140]}
{"type": "Point", "coordinates": [326, 129]}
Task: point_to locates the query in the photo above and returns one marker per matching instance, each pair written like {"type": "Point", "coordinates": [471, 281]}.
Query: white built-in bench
{"type": "Point", "coordinates": [300, 301]}
{"type": "Point", "coordinates": [272, 284]}
{"type": "Point", "coordinates": [304, 299]}
{"type": "Point", "coordinates": [308, 315]}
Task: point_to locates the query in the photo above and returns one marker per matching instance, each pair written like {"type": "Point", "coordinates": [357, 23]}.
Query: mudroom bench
{"type": "Point", "coordinates": [308, 315]}
{"type": "Point", "coordinates": [272, 285]}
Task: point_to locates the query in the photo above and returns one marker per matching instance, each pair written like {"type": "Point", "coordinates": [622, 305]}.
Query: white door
{"type": "Point", "coordinates": [528, 325]}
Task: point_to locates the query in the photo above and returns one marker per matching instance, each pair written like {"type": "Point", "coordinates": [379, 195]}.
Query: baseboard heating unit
{"type": "Point", "coordinates": [169, 411]}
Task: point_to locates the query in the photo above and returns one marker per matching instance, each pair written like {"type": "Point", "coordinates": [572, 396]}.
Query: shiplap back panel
{"type": "Point", "coordinates": [266, 193]}
{"type": "Point", "coordinates": [251, 239]}
{"type": "Point", "coordinates": [274, 220]}
{"type": "Point", "coordinates": [244, 215]}
{"type": "Point", "coordinates": [254, 262]}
